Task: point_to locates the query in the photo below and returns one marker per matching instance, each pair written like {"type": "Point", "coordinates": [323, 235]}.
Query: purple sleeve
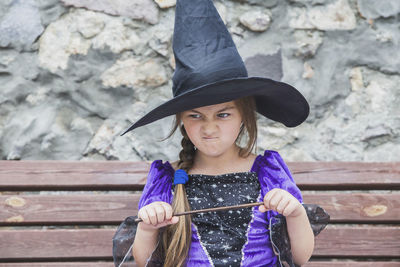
{"type": "Point", "coordinates": [158, 185]}
{"type": "Point", "coordinates": [277, 175]}
{"type": "Point", "coordinates": [288, 183]}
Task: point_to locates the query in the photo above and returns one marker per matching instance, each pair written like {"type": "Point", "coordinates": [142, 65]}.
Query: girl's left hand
{"type": "Point", "coordinates": [283, 202]}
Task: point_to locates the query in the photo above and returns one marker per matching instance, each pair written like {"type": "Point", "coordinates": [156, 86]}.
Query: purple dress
{"type": "Point", "coordinates": [271, 171]}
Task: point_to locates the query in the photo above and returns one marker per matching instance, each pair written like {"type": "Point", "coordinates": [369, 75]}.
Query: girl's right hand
{"type": "Point", "coordinates": [156, 215]}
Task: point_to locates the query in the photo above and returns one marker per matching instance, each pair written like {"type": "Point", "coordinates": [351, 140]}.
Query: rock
{"type": "Point", "coordinates": [21, 26]}
{"type": "Point", "coordinates": [379, 95]}
{"type": "Point", "coordinates": [136, 9]}
{"type": "Point", "coordinates": [307, 42]}
{"type": "Point", "coordinates": [265, 3]}
{"type": "Point", "coordinates": [116, 37]}
{"type": "Point", "coordinates": [165, 3]}
{"type": "Point", "coordinates": [335, 16]}
{"type": "Point", "coordinates": [356, 79]}
{"type": "Point", "coordinates": [23, 128]}
{"type": "Point", "coordinates": [312, 2]}
{"type": "Point", "coordinates": [108, 143]}
{"type": "Point", "coordinates": [161, 37]}
{"type": "Point", "coordinates": [308, 71]}
{"type": "Point", "coordinates": [55, 48]}
{"type": "Point", "coordinates": [384, 36]}
{"type": "Point", "coordinates": [133, 73]}
{"type": "Point", "coordinates": [256, 20]}
{"type": "Point", "coordinates": [90, 25]}
{"type": "Point", "coordinates": [81, 30]}
{"type": "Point", "coordinates": [50, 10]}
{"type": "Point", "coordinates": [269, 66]}
{"type": "Point", "coordinates": [375, 132]}
{"type": "Point", "coordinates": [37, 97]}
{"type": "Point", "coordinates": [172, 62]}
{"type": "Point", "coordinates": [4, 7]}
{"type": "Point", "coordinates": [371, 9]}
{"type": "Point", "coordinates": [102, 141]}
{"type": "Point", "coordinates": [275, 137]}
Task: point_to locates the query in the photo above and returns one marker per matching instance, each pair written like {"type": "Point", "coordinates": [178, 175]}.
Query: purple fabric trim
{"type": "Point", "coordinates": [272, 173]}
{"type": "Point", "coordinates": [197, 255]}
{"type": "Point", "coordinates": [158, 185]}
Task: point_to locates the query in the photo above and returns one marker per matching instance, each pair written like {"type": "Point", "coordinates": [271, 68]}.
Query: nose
{"type": "Point", "coordinates": [209, 128]}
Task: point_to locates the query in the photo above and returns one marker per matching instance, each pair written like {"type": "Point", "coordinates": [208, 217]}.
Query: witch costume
{"type": "Point", "coordinates": [209, 70]}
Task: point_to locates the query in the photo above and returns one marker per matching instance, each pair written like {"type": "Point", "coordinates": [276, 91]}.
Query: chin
{"type": "Point", "coordinates": [212, 152]}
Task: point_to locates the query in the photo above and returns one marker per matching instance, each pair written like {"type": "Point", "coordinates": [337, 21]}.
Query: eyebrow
{"type": "Point", "coordinates": [225, 108]}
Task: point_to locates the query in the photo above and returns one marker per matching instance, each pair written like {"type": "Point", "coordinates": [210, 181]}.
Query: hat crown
{"type": "Point", "coordinates": [203, 48]}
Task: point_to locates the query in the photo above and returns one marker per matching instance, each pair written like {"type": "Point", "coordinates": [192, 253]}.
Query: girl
{"type": "Point", "coordinates": [215, 104]}
{"type": "Point", "coordinates": [217, 166]}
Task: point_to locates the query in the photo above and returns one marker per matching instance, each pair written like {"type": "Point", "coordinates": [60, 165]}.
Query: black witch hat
{"type": "Point", "coordinates": [209, 70]}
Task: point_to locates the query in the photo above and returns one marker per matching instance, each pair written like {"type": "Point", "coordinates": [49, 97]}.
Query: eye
{"type": "Point", "coordinates": [194, 116]}
{"type": "Point", "coordinates": [223, 115]}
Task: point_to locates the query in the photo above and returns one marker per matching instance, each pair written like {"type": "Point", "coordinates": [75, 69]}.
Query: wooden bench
{"type": "Point", "coordinates": [60, 213]}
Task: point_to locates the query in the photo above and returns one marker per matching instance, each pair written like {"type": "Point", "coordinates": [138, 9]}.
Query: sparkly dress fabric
{"type": "Point", "coordinates": [223, 233]}
{"type": "Point", "coordinates": [222, 236]}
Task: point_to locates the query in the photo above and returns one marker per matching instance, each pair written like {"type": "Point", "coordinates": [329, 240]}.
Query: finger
{"type": "Point", "coordinates": [160, 213]}
{"type": "Point", "coordinates": [275, 200]}
{"type": "Point", "coordinates": [262, 208]}
{"type": "Point", "coordinates": [282, 205]}
{"type": "Point", "coordinates": [152, 215]}
{"type": "Point", "coordinates": [168, 211]}
{"type": "Point", "coordinates": [144, 216]}
{"type": "Point", "coordinates": [268, 196]}
{"type": "Point", "coordinates": [173, 220]}
{"type": "Point", "coordinates": [289, 209]}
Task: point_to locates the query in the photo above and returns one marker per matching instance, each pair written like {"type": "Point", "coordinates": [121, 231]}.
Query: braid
{"type": "Point", "coordinates": [186, 156]}
{"type": "Point", "coordinates": [176, 238]}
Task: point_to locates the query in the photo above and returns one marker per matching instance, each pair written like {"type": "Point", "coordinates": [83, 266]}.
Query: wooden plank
{"type": "Point", "coordinates": [341, 263]}
{"type": "Point", "coordinates": [67, 209]}
{"type": "Point", "coordinates": [72, 175]}
{"type": "Point", "coordinates": [113, 208]}
{"type": "Point", "coordinates": [349, 241]}
{"type": "Point", "coordinates": [77, 175]}
{"type": "Point", "coordinates": [356, 241]}
{"type": "Point", "coordinates": [346, 175]}
{"type": "Point", "coordinates": [58, 264]}
{"type": "Point", "coordinates": [358, 207]}
{"type": "Point", "coordinates": [58, 244]}
{"type": "Point", "coordinates": [336, 263]}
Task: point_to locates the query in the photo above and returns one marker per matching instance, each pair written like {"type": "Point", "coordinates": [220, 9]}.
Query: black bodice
{"type": "Point", "coordinates": [223, 233]}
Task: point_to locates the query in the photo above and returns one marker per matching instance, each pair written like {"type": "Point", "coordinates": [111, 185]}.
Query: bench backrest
{"type": "Point", "coordinates": [60, 213]}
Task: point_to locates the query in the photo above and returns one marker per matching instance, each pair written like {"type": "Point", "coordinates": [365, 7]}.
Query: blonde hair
{"type": "Point", "coordinates": [176, 238]}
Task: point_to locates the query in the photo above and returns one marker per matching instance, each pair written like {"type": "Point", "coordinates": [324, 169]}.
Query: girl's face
{"type": "Point", "coordinates": [213, 129]}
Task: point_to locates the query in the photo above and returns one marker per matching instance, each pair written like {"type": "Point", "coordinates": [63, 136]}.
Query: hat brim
{"type": "Point", "coordinates": [275, 100]}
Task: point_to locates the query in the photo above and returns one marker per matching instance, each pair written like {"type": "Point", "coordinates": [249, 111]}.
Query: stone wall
{"type": "Point", "coordinates": [75, 73]}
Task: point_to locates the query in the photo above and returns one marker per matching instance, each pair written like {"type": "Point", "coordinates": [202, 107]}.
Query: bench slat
{"type": "Point", "coordinates": [42, 175]}
{"type": "Point", "coordinates": [358, 241]}
{"type": "Point", "coordinates": [58, 264]}
{"type": "Point", "coordinates": [337, 263]}
{"type": "Point", "coordinates": [72, 175]}
{"type": "Point", "coordinates": [358, 207]}
{"type": "Point", "coordinates": [70, 209]}
{"type": "Point", "coordinates": [93, 244]}
{"type": "Point", "coordinates": [113, 208]}
{"type": "Point", "coordinates": [346, 175]}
